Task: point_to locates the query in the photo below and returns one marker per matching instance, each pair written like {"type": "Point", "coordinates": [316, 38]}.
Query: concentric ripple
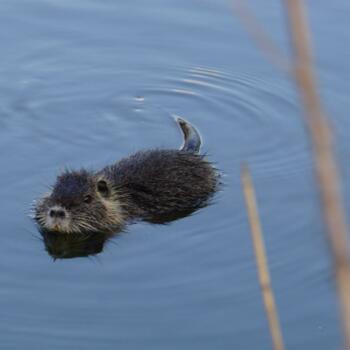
{"type": "Point", "coordinates": [258, 116]}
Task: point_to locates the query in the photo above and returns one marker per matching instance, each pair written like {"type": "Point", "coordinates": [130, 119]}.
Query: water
{"type": "Point", "coordinates": [85, 83]}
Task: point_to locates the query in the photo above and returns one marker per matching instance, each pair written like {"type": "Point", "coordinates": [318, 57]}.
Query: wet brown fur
{"type": "Point", "coordinates": [149, 185]}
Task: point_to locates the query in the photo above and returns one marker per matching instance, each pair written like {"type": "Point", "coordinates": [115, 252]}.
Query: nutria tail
{"type": "Point", "coordinates": [192, 139]}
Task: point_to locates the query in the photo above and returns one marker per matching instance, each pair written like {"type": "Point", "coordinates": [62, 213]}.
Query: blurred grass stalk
{"type": "Point", "coordinates": [326, 167]}
{"type": "Point", "coordinates": [325, 164]}
{"type": "Point", "coordinates": [261, 260]}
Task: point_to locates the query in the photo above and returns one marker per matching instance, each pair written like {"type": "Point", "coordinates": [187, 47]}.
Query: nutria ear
{"type": "Point", "coordinates": [102, 188]}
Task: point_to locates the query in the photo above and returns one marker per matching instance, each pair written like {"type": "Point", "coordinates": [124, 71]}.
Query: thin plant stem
{"type": "Point", "coordinates": [326, 167]}
{"type": "Point", "coordinates": [262, 39]}
{"type": "Point", "coordinates": [261, 260]}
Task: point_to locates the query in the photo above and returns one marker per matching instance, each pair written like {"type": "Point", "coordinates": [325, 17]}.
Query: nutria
{"type": "Point", "coordinates": [147, 185]}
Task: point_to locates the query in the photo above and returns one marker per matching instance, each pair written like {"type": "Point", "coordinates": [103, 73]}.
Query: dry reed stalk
{"type": "Point", "coordinates": [261, 260]}
{"type": "Point", "coordinates": [261, 38]}
{"type": "Point", "coordinates": [326, 167]}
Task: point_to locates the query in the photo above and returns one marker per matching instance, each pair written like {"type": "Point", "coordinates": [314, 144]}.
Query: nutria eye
{"type": "Point", "coordinates": [87, 199]}
{"type": "Point", "coordinates": [102, 187]}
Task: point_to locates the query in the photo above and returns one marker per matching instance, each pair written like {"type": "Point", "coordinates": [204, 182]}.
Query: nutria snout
{"type": "Point", "coordinates": [147, 185]}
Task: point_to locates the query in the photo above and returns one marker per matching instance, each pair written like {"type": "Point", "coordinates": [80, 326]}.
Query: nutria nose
{"type": "Point", "coordinates": [57, 213]}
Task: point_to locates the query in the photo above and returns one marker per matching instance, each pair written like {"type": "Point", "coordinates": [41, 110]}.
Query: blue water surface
{"type": "Point", "coordinates": [86, 82]}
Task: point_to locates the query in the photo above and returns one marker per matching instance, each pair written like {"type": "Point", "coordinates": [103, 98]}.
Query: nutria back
{"type": "Point", "coordinates": [159, 182]}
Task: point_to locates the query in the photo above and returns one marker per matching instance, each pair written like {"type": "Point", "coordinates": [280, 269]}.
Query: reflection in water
{"type": "Point", "coordinates": [75, 245]}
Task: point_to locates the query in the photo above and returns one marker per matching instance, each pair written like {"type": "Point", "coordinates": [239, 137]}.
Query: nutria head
{"type": "Point", "coordinates": [80, 201]}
